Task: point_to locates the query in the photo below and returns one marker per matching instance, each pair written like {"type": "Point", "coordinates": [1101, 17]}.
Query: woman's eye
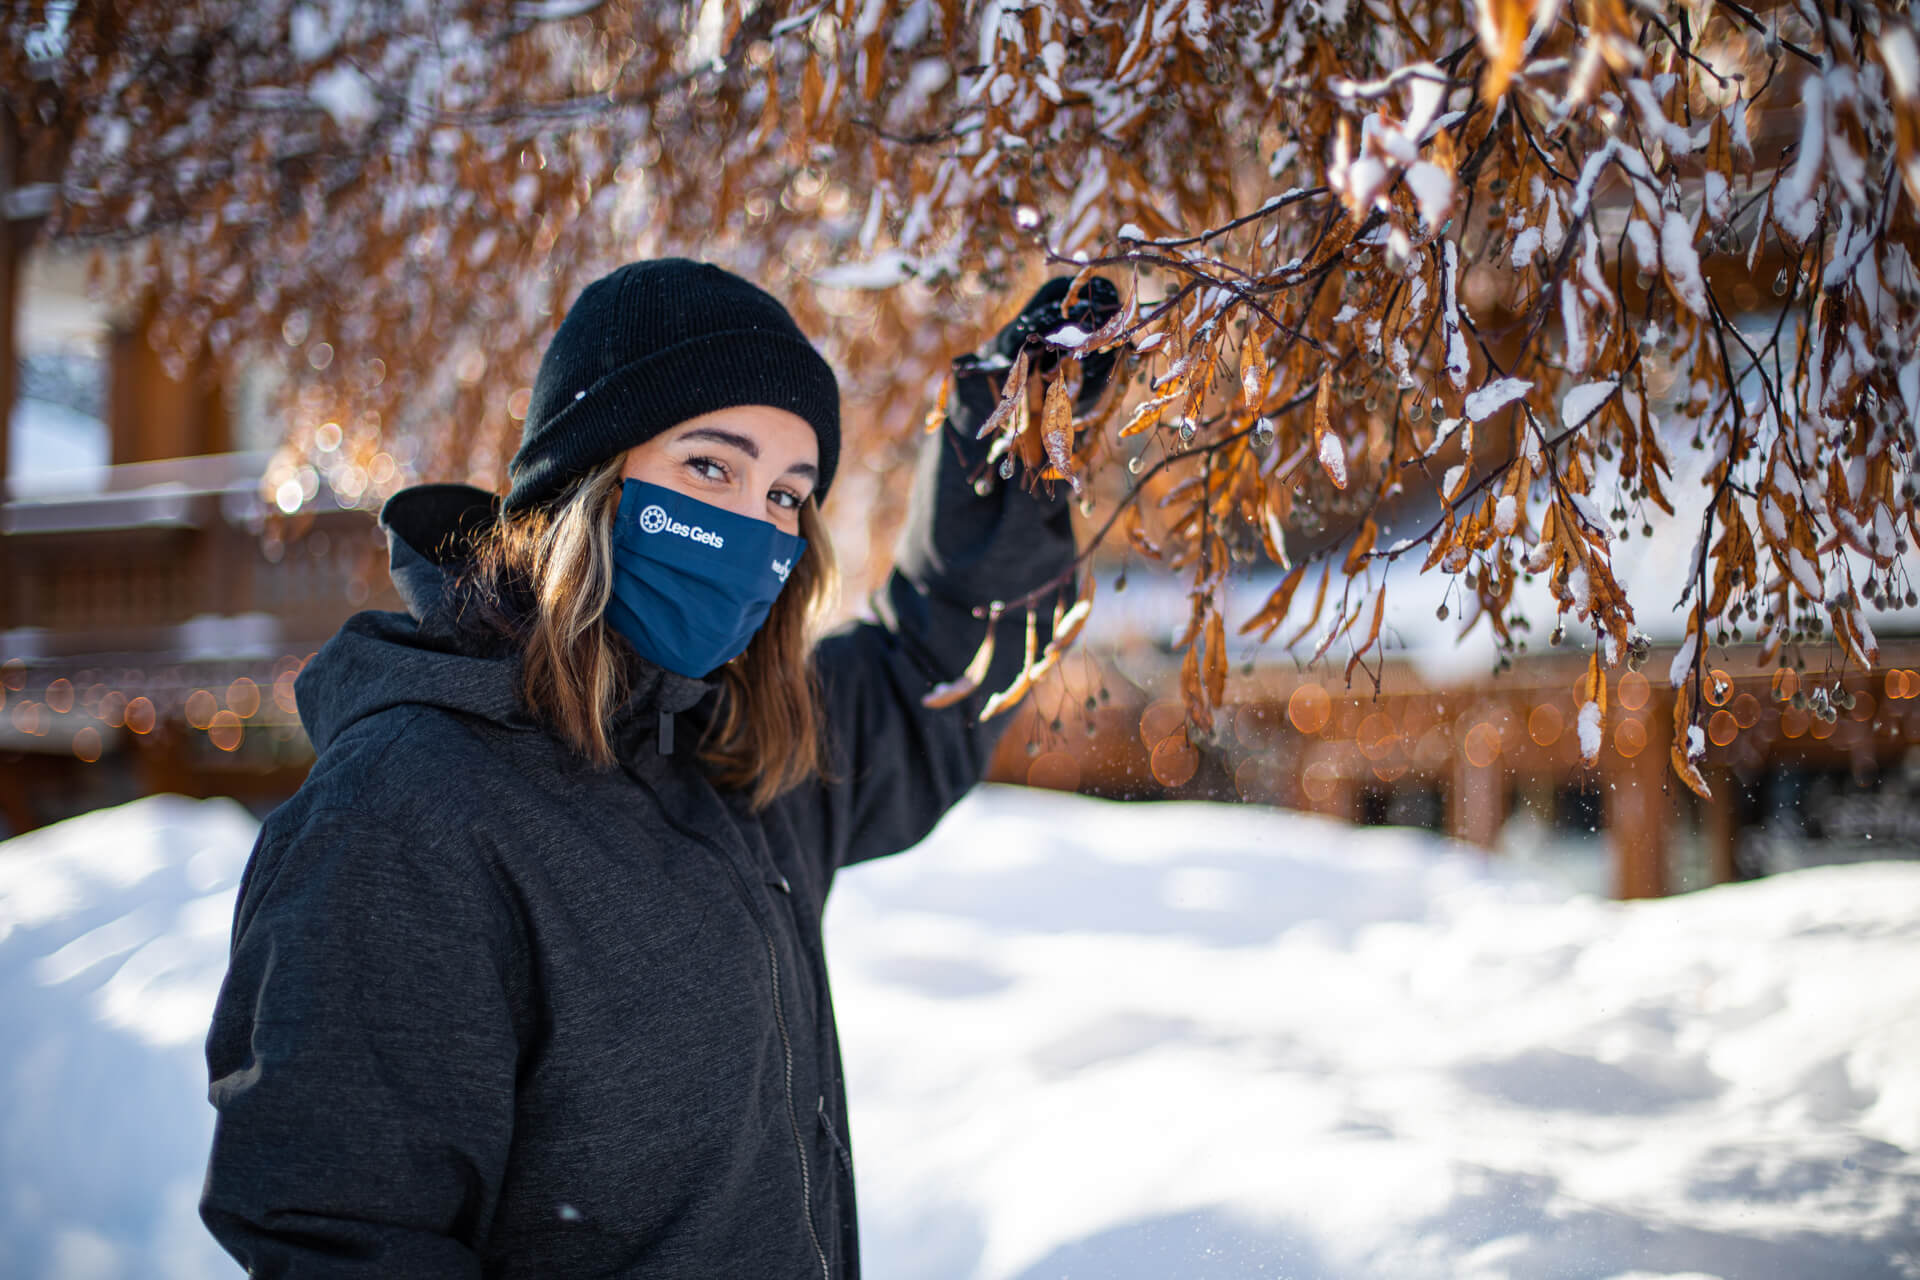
{"type": "Point", "coordinates": [786, 498]}
{"type": "Point", "coordinates": [707, 468]}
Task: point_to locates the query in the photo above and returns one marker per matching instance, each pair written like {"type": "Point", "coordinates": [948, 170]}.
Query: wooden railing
{"type": "Point", "coordinates": [125, 563]}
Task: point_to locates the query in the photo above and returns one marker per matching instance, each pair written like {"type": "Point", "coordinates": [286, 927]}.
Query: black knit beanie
{"type": "Point", "coordinates": [648, 346]}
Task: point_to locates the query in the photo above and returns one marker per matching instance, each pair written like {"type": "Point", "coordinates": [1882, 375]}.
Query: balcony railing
{"type": "Point", "coordinates": [179, 560]}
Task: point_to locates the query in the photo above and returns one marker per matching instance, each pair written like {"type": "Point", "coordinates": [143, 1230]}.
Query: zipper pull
{"type": "Point", "coordinates": [666, 733]}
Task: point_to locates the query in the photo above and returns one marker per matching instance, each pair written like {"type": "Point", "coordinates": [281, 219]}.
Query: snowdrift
{"type": "Point", "coordinates": [1120, 1041]}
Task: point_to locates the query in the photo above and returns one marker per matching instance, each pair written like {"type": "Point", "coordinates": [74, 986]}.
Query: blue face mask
{"type": "Point", "coordinates": [692, 582]}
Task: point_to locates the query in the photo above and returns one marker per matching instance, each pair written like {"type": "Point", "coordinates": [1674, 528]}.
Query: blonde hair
{"type": "Point", "coordinates": [543, 578]}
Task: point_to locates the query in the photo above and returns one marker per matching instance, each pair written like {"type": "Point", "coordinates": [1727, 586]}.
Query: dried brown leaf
{"type": "Point", "coordinates": [945, 695]}
{"type": "Point", "coordinates": [1503, 36]}
{"type": "Point", "coordinates": [1362, 545]}
{"type": "Point", "coordinates": [1319, 603]}
{"type": "Point", "coordinates": [1008, 697]}
{"type": "Point", "coordinates": [1056, 431]}
{"type": "Point", "coordinates": [1274, 611]}
{"type": "Point", "coordinates": [1373, 629]}
{"type": "Point", "coordinates": [1216, 658]}
{"type": "Point", "coordinates": [1013, 396]}
{"type": "Point", "coordinates": [937, 415]}
{"type": "Point", "coordinates": [1255, 374]}
{"type": "Point", "coordinates": [1192, 692]}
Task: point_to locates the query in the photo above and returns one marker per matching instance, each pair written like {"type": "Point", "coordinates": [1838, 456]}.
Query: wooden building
{"type": "Point", "coordinates": [156, 604]}
{"type": "Point", "coordinates": [153, 604]}
{"type": "Point", "coordinates": [1469, 757]}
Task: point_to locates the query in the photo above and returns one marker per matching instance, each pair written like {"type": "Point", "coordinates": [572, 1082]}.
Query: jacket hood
{"type": "Point", "coordinates": [424, 657]}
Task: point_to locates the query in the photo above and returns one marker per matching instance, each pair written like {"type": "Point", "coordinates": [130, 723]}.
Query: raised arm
{"type": "Point", "coordinates": [971, 539]}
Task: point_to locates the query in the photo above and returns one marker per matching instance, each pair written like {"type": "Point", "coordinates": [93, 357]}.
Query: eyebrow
{"type": "Point", "coordinates": [748, 446]}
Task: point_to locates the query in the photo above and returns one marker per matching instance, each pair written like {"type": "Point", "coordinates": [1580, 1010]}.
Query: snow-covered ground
{"type": "Point", "coordinates": [113, 939]}
{"type": "Point", "coordinates": [1096, 1040]}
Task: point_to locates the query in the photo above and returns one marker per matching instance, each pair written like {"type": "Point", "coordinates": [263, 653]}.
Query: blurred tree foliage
{"type": "Point", "coordinates": [1490, 262]}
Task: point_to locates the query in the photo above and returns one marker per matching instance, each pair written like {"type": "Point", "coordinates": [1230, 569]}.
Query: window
{"type": "Point", "coordinates": [57, 436]}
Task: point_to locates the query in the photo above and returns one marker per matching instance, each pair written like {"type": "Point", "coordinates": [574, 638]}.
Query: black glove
{"type": "Point", "coordinates": [1098, 302]}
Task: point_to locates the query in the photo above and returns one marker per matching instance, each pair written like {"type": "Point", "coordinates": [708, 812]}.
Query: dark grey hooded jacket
{"type": "Point", "coordinates": [492, 1011]}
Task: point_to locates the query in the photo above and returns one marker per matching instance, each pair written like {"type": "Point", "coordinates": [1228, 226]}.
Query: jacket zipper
{"type": "Point", "coordinates": [780, 1020]}
{"type": "Point", "coordinates": [793, 1119]}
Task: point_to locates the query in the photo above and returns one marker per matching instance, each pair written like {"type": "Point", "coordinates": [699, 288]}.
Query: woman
{"type": "Point", "coordinates": [527, 978]}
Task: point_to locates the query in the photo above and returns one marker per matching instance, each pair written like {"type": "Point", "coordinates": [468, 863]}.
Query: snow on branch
{"type": "Point", "coordinates": [1349, 275]}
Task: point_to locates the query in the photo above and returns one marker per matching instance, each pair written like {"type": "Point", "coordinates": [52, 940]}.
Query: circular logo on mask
{"type": "Point", "coordinates": [653, 519]}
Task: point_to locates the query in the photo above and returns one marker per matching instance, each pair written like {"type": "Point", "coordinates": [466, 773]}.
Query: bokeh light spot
{"type": "Point", "coordinates": [1159, 719]}
{"type": "Point", "coordinates": [1309, 708]}
{"type": "Point", "coordinates": [200, 708]}
{"type": "Point", "coordinates": [1175, 761]}
{"type": "Point", "coordinates": [1376, 735]}
{"type": "Point", "coordinates": [283, 691]}
{"type": "Point", "coordinates": [224, 731]}
{"type": "Point", "coordinates": [1320, 780]}
{"type": "Point", "coordinates": [243, 698]}
{"type": "Point", "coordinates": [1392, 766]}
{"type": "Point", "coordinates": [1483, 745]}
{"type": "Point", "coordinates": [1260, 780]}
{"type": "Point", "coordinates": [141, 716]}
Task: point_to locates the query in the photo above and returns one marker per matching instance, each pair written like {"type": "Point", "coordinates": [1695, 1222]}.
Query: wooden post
{"type": "Point", "coordinates": [1474, 802]}
{"type": "Point", "coordinates": [12, 238]}
{"type": "Point", "coordinates": [9, 291]}
{"type": "Point", "coordinates": [1723, 827]}
{"type": "Point", "coordinates": [16, 804]}
{"type": "Point", "coordinates": [1334, 782]}
{"type": "Point", "coordinates": [1637, 810]}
